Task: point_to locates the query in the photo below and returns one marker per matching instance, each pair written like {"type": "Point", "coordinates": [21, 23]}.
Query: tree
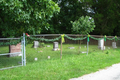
{"type": "Point", "coordinates": [70, 10]}
{"type": "Point", "coordinates": [18, 16]}
{"type": "Point", "coordinates": [105, 13]}
{"type": "Point", "coordinates": [84, 25]}
{"type": "Point", "coordinates": [106, 16]}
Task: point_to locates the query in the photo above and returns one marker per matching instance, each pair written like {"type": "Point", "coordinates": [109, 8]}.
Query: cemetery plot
{"type": "Point", "coordinates": [73, 45]}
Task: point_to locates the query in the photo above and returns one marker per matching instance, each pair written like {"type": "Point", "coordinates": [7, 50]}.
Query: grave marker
{"type": "Point", "coordinates": [55, 46]}
{"type": "Point", "coordinates": [36, 44]}
{"type": "Point", "coordinates": [15, 48]}
{"type": "Point", "coordinates": [114, 45]}
{"type": "Point", "coordinates": [101, 44]}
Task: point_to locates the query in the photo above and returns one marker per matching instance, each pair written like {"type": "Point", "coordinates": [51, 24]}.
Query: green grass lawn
{"type": "Point", "coordinates": [73, 63]}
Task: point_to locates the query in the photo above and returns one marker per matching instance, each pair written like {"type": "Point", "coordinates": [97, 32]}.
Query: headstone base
{"type": "Point", "coordinates": [14, 55]}
{"type": "Point", "coordinates": [56, 49]}
{"type": "Point", "coordinates": [71, 47]}
{"type": "Point", "coordinates": [101, 48]}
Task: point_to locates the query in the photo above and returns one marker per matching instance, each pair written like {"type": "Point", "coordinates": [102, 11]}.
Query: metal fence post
{"type": "Point", "coordinates": [24, 49]}
{"type": "Point", "coordinates": [88, 44]}
{"type": "Point", "coordinates": [87, 47]}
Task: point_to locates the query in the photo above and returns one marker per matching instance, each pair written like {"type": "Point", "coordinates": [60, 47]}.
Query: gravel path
{"type": "Point", "coordinates": [109, 73]}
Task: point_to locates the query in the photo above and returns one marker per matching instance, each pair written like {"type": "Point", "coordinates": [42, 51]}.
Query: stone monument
{"type": "Point", "coordinates": [101, 44]}
{"type": "Point", "coordinates": [114, 45]}
{"type": "Point", "coordinates": [14, 49]}
{"type": "Point", "coordinates": [36, 44]}
{"type": "Point", "coordinates": [55, 46]}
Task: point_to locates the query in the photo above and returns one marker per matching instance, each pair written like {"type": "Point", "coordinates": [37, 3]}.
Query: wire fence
{"type": "Point", "coordinates": [12, 52]}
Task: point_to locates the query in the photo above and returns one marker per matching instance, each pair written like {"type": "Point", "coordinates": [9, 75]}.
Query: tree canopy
{"type": "Point", "coordinates": [105, 13]}
{"type": "Point", "coordinates": [84, 25]}
{"type": "Point", "coordinates": [70, 10]}
{"type": "Point", "coordinates": [18, 16]}
{"type": "Point", "coordinates": [106, 16]}
{"type": "Point", "coordinates": [47, 16]}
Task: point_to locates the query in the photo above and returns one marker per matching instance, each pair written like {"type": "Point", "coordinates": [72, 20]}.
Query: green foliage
{"type": "Point", "coordinates": [31, 39]}
{"type": "Point", "coordinates": [84, 25]}
{"type": "Point", "coordinates": [107, 52]}
{"type": "Point", "coordinates": [40, 16]}
{"type": "Point", "coordinates": [75, 38]}
{"type": "Point", "coordinates": [41, 44]}
{"type": "Point", "coordinates": [70, 10]}
{"type": "Point", "coordinates": [18, 16]}
{"type": "Point", "coordinates": [106, 16]}
{"type": "Point", "coordinates": [105, 13]}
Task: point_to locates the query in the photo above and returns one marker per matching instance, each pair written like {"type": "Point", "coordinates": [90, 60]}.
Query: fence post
{"type": "Point", "coordinates": [88, 43]}
{"type": "Point", "coordinates": [24, 49]}
{"type": "Point", "coordinates": [62, 41]}
{"type": "Point", "coordinates": [87, 47]}
{"type": "Point", "coordinates": [61, 50]}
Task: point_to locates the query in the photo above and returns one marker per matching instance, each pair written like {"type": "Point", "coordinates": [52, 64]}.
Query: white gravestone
{"type": "Point", "coordinates": [114, 45]}
{"type": "Point", "coordinates": [36, 44]}
{"type": "Point", "coordinates": [55, 46]}
{"type": "Point", "coordinates": [101, 44]}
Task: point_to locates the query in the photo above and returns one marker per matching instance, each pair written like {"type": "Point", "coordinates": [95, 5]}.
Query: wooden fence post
{"type": "Point", "coordinates": [61, 50]}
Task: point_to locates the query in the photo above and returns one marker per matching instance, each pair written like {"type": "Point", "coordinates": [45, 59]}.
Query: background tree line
{"type": "Point", "coordinates": [106, 15]}
{"type": "Point", "coordinates": [55, 16]}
